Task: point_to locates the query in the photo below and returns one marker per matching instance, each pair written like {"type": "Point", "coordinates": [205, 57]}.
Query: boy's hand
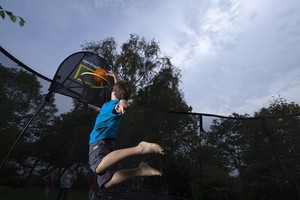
{"type": "Point", "coordinates": [113, 74]}
{"type": "Point", "coordinates": [122, 106]}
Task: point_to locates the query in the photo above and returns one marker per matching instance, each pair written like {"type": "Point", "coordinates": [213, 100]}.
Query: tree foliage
{"type": "Point", "coordinates": [20, 98]}
{"type": "Point", "coordinates": [260, 153]}
{"type": "Point", "coordinates": [12, 16]}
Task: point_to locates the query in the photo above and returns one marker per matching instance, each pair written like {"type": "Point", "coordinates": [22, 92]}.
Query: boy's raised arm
{"type": "Point", "coordinates": [114, 75]}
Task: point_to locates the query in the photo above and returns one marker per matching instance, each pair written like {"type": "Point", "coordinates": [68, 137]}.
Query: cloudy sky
{"type": "Point", "coordinates": [234, 55]}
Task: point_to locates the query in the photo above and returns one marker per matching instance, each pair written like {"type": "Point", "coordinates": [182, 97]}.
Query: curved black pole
{"type": "Point", "coordinates": [23, 65]}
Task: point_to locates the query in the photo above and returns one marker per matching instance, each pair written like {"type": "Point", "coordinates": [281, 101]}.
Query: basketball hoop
{"type": "Point", "coordinates": [87, 79]}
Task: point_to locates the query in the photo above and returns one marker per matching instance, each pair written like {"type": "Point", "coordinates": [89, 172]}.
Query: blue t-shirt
{"type": "Point", "coordinates": [107, 122]}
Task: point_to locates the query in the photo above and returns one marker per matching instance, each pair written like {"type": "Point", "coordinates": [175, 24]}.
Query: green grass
{"type": "Point", "coordinates": [37, 193]}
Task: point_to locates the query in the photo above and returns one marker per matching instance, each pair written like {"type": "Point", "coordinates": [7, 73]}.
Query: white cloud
{"type": "Point", "coordinates": [234, 54]}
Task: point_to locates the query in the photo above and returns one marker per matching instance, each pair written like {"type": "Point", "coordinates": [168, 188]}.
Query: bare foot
{"type": "Point", "coordinates": [146, 170]}
{"type": "Point", "coordinates": [147, 147]}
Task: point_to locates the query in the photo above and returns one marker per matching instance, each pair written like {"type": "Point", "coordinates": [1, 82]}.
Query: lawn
{"type": "Point", "coordinates": [37, 193]}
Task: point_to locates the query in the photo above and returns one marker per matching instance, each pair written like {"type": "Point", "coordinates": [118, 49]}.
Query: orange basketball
{"type": "Point", "coordinates": [101, 72]}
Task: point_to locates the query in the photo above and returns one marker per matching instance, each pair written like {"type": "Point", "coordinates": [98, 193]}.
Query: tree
{"type": "Point", "coordinates": [260, 153]}
{"type": "Point", "coordinates": [223, 147]}
{"type": "Point", "coordinates": [20, 99]}
{"type": "Point", "coordinates": [281, 129]}
{"type": "Point", "coordinates": [226, 137]}
{"type": "Point", "coordinates": [67, 141]}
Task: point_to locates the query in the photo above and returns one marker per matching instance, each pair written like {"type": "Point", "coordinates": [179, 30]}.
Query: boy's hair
{"type": "Point", "coordinates": [122, 90]}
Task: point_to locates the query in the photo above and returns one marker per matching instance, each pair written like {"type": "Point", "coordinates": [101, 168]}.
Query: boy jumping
{"type": "Point", "coordinates": [102, 153]}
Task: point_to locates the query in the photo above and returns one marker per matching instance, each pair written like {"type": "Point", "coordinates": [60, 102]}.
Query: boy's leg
{"type": "Point", "coordinates": [142, 170]}
{"type": "Point", "coordinates": [117, 155]}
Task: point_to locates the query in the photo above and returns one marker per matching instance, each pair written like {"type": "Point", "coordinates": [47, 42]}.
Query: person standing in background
{"type": "Point", "coordinates": [66, 181]}
{"type": "Point", "coordinates": [50, 181]}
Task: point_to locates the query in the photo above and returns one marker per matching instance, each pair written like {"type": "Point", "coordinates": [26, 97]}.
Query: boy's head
{"type": "Point", "coordinates": [122, 90]}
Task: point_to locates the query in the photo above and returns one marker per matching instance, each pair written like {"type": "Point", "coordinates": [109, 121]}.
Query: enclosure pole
{"type": "Point", "coordinates": [201, 131]}
{"type": "Point", "coordinates": [46, 99]}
